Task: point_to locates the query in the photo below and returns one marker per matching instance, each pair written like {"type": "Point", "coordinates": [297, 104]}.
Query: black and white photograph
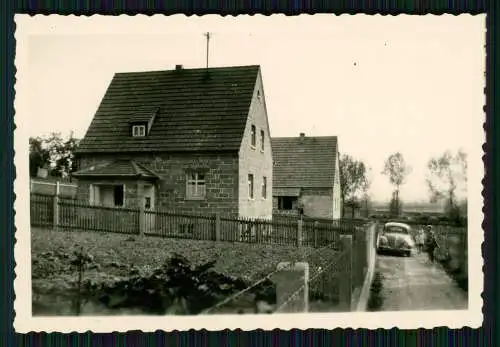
{"type": "Point", "coordinates": [212, 172]}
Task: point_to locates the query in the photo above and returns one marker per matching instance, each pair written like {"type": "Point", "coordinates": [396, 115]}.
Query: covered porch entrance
{"type": "Point", "coordinates": [124, 194]}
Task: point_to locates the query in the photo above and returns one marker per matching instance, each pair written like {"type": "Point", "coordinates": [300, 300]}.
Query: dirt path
{"type": "Point", "coordinates": [411, 283]}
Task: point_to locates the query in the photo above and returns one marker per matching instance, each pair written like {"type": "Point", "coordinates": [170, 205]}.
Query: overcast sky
{"type": "Point", "coordinates": [381, 84]}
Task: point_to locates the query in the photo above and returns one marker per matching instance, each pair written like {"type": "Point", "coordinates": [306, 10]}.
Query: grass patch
{"type": "Point", "coordinates": [375, 301]}
{"type": "Point", "coordinates": [459, 276]}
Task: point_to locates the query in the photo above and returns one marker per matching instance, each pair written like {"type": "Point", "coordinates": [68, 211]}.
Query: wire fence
{"type": "Point", "coordinates": [319, 278]}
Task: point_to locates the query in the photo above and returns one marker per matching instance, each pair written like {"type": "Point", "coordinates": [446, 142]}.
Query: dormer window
{"type": "Point", "coordinates": [138, 130]}
{"type": "Point", "coordinates": [142, 120]}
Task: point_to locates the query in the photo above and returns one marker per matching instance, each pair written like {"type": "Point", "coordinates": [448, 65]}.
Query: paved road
{"type": "Point", "coordinates": [411, 283]}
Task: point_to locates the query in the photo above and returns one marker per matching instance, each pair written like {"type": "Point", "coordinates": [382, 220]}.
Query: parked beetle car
{"type": "Point", "coordinates": [396, 237]}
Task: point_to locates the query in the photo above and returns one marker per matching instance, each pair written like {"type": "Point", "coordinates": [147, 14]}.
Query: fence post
{"type": "Point", "coordinates": [217, 227]}
{"type": "Point", "coordinates": [345, 289]}
{"type": "Point", "coordinates": [258, 232]}
{"type": "Point", "coordinates": [315, 229]}
{"type": "Point", "coordinates": [142, 219]}
{"type": "Point", "coordinates": [56, 208]}
{"type": "Point", "coordinates": [289, 279]}
{"type": "Point", "coordinates": [299, 232]}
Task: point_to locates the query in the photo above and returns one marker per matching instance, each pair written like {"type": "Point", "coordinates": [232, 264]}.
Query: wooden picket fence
{"type": "Point", "coordinates": [70, 214]}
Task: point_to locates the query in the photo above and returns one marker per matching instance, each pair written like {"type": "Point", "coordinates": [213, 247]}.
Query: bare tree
{"type": "Point", "coordinates": [447, 175]}
{"type": "Point", "coordinates": [397, 170]}
{"type": "Point", "coordinates": [365, 189]}
{"type": "Point", "coordinates": [353, 182]}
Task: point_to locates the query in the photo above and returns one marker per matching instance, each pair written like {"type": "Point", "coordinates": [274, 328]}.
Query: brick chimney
{"type": "Point", "coordinates": [178, 67]}
{"type": "Point", "coordinates": [302, 135]}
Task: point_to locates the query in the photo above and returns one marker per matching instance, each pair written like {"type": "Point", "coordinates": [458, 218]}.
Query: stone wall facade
{"type": "Point", "coordinates": [317, 203]}
{"type": "Point", "coordinates": [337, 199]}
{"type": "Point", "coordinates": [221, 181]}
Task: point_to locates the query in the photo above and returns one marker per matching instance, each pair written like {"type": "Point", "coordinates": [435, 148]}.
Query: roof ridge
{"type": "Point", "coordinates": [142, 167]}
{"type": "Point", "coordinates": [305, 137]}
{"type": "Point", "coordinates": [189, 69]}
{"type": "Point", "coordinates": [135, 166]}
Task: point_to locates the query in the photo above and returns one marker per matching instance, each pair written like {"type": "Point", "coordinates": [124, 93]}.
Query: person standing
{"type": "Point", "coordinates": [431, 243]}
{"type": "Point", "coordinates": [419, 240]}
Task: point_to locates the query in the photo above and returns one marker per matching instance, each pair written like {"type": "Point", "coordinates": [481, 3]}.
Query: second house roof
{"type": "Point", "coordinates": [304, 162]}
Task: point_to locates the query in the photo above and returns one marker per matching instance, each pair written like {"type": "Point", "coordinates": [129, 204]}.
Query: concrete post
{"type": "Point", "coordinates": [345, 290]}
{"type": "Point", "coordinates": [288, 280]}
{"type": "Point", "coordinates": [217, 227]}
{"type": "Point", "coordinates": [299, 232]}
{"type": "Point", "coordinates": [55, 210]}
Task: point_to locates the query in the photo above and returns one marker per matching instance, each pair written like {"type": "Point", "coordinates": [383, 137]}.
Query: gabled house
{"type": "Point", "coordinates": [306, 176]}
{"type": "Point", "coordinates": [189, 140]}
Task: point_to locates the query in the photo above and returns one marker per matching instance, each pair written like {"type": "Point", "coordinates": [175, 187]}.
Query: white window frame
{"type": "Point", "coordinates": [200, 185]}
{"type": "Point", "coordinates": [92, 195]}
{"type": "Point", "coordinates": [262, 139]}
{"type": "Point", "coordinates": [251, 186]}
{"type": "Point", "coordinates": [138, 130]}
{"type": "Point", "coordinates": [253, 136]}
{"type": "Point", "coordinates": [264, 188]}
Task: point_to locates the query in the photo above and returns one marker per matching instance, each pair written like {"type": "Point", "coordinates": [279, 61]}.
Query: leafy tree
{"type": "Point", "coordinates": [53, 150]}
{"type": "Point", "coordinates": [353, 182]}
{"type": "Point", "coordinates": [64, 157]}
{"type": "Point", "coordinates": [39, 156]}
{"type": "Point", "coordinates": [366, 196]}
{"type": "Point", "coordinates": [397, 170]}
{"type": "Point", "coordinates": [395, 205]}
{"type": "Point", "coordinates": [447, 175]}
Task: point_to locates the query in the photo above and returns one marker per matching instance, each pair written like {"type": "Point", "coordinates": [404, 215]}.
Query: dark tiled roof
{"type": "Point", "coordinates": [117, 168]}
{"type": "Point", "coordinates": [199, 110]}
{"type": "Point", "coordinates": [304, 162]}
{"type": "Point", "coordinates": [144, 114]}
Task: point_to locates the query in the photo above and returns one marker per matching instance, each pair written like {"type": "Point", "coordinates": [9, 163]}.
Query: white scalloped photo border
{"type": "Point", "coordinates": [141, 24]}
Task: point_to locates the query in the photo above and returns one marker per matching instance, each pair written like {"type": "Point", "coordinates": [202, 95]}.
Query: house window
{"type": "Point", "coordinates": [258, 95]}
{"type": "Point", "coordinates": [250, 186]}
{"type": "Point", "coordinates": [119, 194]}
{"type": "Point", "coordinates": [264, 187]}
{"type": "Point", "coordinates": [147, 202]}
{"type": "Point", "coordinates": [287, 202]}
{"type": "Point", "coordinates": [253, 135]}
{"type": "Point", "coordinates": [138, 130]}
{"type": "Point", "coordinates": [195, 188]}
{"type": "Point", "coordinates": [262, 137]}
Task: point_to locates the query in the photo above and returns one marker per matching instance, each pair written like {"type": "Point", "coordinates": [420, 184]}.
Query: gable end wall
{"type": "Point", "coordinates": [253, 160]}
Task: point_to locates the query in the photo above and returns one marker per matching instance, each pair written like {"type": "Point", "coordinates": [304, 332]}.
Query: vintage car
{"type": "Point", "coordinates": [396, 237]}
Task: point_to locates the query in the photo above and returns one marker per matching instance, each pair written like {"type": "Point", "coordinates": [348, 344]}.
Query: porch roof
{"type": "Point", "coordinates": [118, 168]}
{"type": "Point", "coordinates": [285, 191]}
